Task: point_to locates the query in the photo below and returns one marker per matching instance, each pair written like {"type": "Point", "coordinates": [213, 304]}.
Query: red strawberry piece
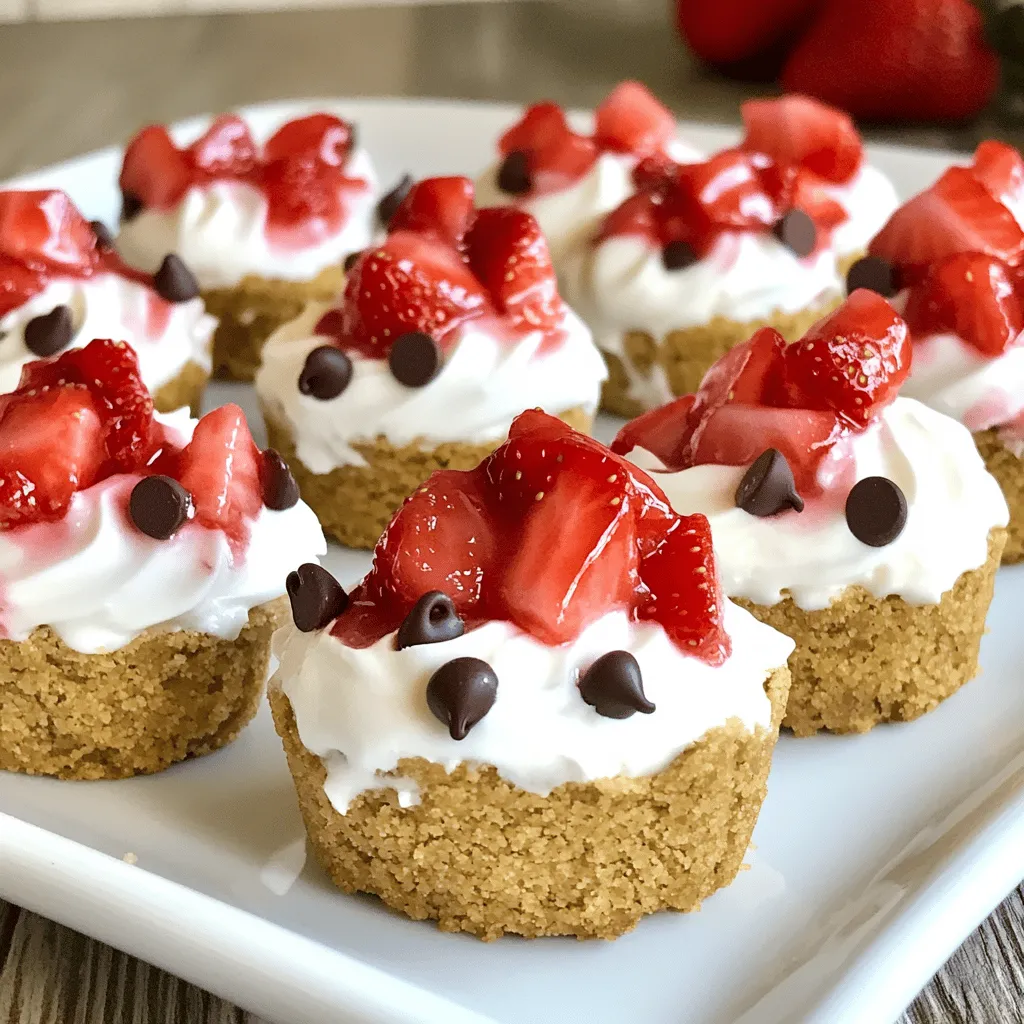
{"type": "Point", "coordinates": [226, 149]}
{"type": "Point", "coordinates": [1000, 168]}
{"type": "Point", "coordinates": [556, 156]}
{"type": "Point", "coordinates": [409, 283]}
{"type": "Point", "coordinates": [736, 189]}
{"type": "Point", "coordinates": [18, 283]}
{"type": "Point", "coordinates": [957, 214]}
{"type": "Point", "coordinates": [637, 215]}
{"type": "Point", "coordinates": [155, 171]}
{"type": "Point", "coordinates": [800, 130]}
{"type": "Point", "coordinates": [50, 447]}
{"type": "Point", "coordinates": [880, 59]}
{"type": "Point", "coordinates": [631, 120]}
{"type": "Point", "coordinates": [509, 255]}
{"type": "Point", "coordinates": [220, 468]}
{"type": "Point", "coordinates": [323, 136]}
{"type": "Point", "coordinates": [970, 295]}
{"type": "Point", "coordinates": [686, 593]}
{"type": "Point", "coordinates": [852, 361]}
{"type": "Point", "coordinates": [45, 229]}
{"type": "Point", "coordinates": [440, 207]}
{"type": "Point", "coordinates": [304, 203]}
{"type": "Point", "coordinates": [662, 432]}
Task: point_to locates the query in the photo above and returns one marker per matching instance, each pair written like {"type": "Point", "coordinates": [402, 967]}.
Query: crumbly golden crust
{"type": "Point", "coordinates": [355, 503]}
{"type": "Point", "coordinates": [862, 660]}
{"type": "Point", "coordinates": [1009, 471]}
{"type": "Point", "coordinates": [162, 698]}
{"type": "Point", "coordinates": [480, 855]}
{"type": "Point", "coordinates": [185, 389]}
{"type": "Point", "coordinates": [251, 311]}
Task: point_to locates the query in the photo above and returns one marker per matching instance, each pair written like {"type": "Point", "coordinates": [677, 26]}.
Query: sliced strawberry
{"type": "Point", "coordinates": [45, 229]}
{"type": "Point", "coordinates": [439, 207]}
{"type": "Point", "coordinates": [799, 130]}
{"type": "Point", "coordinates": [637, 215]}
{"type": "Point", "coordinates": [155, 171]}
{"type": "Point", "coordinates": [631, 120]}
{"type": "Point", "coordinates": [18, 283]}
{"type": "Point", "coordinates": [220, 469]}
{"type": "Point", "coordinates": [556, 156]}
{"type": "Point", "coordinates": [226, 148]}
{"type": "Point", "coordinates": [323, 136]}
{"type": "Point", "coordinates": [304, 202]}
{"type": "Point", "coordinates": [1000, 168]}
{"type": "Point", "coordinates": [970, 295]}
{"type": "Point", "coordinates": [663, 432]}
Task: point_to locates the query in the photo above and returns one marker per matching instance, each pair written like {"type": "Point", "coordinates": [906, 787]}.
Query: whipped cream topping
{"type": "Point", "coordinates": [486, 381]}
{"type": "Point", "coordinates": [869, 199]}
{"type": "Point", "coordinates": [99, 583]}
{"type": "Point", "coordinates": [219, 230]}
{"type": "Point", "coordinates": [165, 336]}
{"type": "Point", "coordinates": [362, 710]}
{"type": "Point", "coordinates": [952, 504]}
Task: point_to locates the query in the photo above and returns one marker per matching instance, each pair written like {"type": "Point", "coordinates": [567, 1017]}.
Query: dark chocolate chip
{"type": "Point", "coordinates": [432, 620]}
{"type": "Point", "coordinates": [389, 203]}
{"type": "Point", "coordinates": [614, 687]}
{"type": "Point", "coordinates": [351, 259]}
{"type": "Point", "coordinates": [415, 359]}
{"type": "Point", "coordinates": [678, 255]}
{"type": "Point", "coordinates": [159, 505]}
{"type": "Point", "coordinates": [131, 206]}
{"type": "Point", "coordinates": [104, 239]}
{"type": "Point", "coordinates": [325, 373]}
{"type": "Point", "coordinates": [767, 486]}
{"type": "Point", "coordinates": [875, 274]}
{"type": "Point", "coordinates": [514, 174]}
{"type": "Point", "coordinates": [46, 335]}
{"type": "Point", "coordinates": [316, 597]}
{"type": "Point", "coordinates": [460, 693]}
{"type": "Point", "coordinates": [796, 231]}
{"type": "Point", "coordinates": [174, 281]}
{"type": "Point", "coordinates": [280, 491]}
{"type": "Point", "coordinates": [876, 511]}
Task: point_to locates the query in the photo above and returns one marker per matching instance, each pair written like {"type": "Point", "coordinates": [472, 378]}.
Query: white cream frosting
{"type": "Point", "coordinates": [870, 200]}
{"type": "Point", "coordinates": [485, 383]}
{"type": "Point", "coordinates": [219, 230]}
{"type": "Point", "coordinates": [99, 583]}
{"type": "Point", "coordinates": [362, 710]}
{"type": "Point", "coordinates": [952, 504]}
{"type": "Point", "coordinates": [110, 306]}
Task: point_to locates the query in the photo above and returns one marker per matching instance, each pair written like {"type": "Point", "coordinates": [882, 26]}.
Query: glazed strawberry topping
{"type": "Point", "coordinates": [629, 121]}
{"type": "Point", "coordinates": [442, 264]}
{"type": "Point", "coordinates": [495, 540]}
{"type": "Point", "coordinates": [799, 398]}
{"type": "Point", "coordinates": [300, 170]}
{"type": "Point", "coordinates": [86, 416]}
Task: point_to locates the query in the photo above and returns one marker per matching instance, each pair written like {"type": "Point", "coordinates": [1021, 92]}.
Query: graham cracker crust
{"type": "Point", "coordinates": [1009, 471]}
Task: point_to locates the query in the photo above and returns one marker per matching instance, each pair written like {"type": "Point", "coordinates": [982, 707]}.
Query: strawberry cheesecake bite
{"type": "Point", "coordinates": [62, 284]}
{"type": "Point", "coordinates": [700, 255]}
{"type": "Point", "coordinates": [510, 727]}
{"type": "Point", "coordinates": [447, 329]}
{"type": "Point", "coordinates": [264, 227]}
{"type": "Point", "coordinates": [863, 525]}
{"type": "Point", "coordinates": [142, 567]}
{"type": "Point", "coordinates": [951, 259]}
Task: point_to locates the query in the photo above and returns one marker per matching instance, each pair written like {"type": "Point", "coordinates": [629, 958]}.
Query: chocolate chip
{"type": "Point", "coordinates": [351, 259]}
{"type": "Point", "coordinates": [415, 359]}
{"type": "Point", "coordinates": [174, 281]}
{"type": "Point", "coordinates": [614, 687]}
{"type": "Point", "coordinates": [280, 491]}
{"type": "Point", "coordinates": [514, 174]}
{"type": "Point", "coordinates": [767, 486]}
{"type": "Point", "coordinates": [316, 597]}
{"type": "Point", "coordinates": [875, 274]}
{"type": "Point", "coordinates": [131, 206]}
{"type": "Point", "coordinates": [325, 373]}
{"type": "Point", "coordinates": [876, 511]}
{"type": "Point", "coordinates": [389, 203]}
{"type": "Point", "coordinates": [432, 620]}
{"type": "Point", "coordinates": [796, 231]}
{"type": "Point", "coordinates": [460, 693]}
{"type": "Point", "coordinates": [47, 334]}
{"type": "Point", "coordinates": [678, 255]}
{"type": "Point", "coordinates": [104, 239]}
{"type": "Point", "coordinates": [159, 505]}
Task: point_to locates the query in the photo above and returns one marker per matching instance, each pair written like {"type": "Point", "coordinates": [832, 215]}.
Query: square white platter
{"type": "Point", "coordinates": [874, 856]}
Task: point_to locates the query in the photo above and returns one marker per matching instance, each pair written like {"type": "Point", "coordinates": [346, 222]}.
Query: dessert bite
{"type": "Point", "coordinates": [951, 259]}
{"type": "Point", "coordinates": [264, 227]}
{"type": "Point", "coordinates": [496, 677]}
{"type": "Point", "coordinates": [142, 565]}
{"type": "Point", "coordinates": [62, 284]}
{"type": "Point", "coordinates": [700, 255]}
{"type": "Point", "coordinates": [863, 525]}
{"type": "Point", "coordinates": [447, 329]}
{"type": "Point", "coordinates": [569, 180]}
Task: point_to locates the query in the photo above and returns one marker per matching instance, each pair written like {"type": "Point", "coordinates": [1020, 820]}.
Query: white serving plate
{"type": "Point", "coordinates": [874, 857]}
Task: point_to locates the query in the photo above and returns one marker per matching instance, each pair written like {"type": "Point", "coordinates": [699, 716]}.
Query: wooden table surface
{"type": "Point", "coordinates": [68, 88]}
